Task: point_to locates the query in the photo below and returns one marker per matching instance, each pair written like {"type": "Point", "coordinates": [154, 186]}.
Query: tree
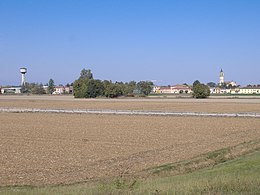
{"type": "Point", "coordinates": [51, 86]}
{"type": "Point", "coordinates": [201, 91]}
{"type": "Point", "coordinates": [113, 90]}
{"type": "Point", "coordinates": [86, 74]}
{"type": "Point", "coordinates": [212, 84]}
{"type": "Point", "coordinates": [129, 88]}
{"type": "Point", "coordinates": [88, 88]}
{"type": "Point", "coordinates": [195, 83]}
{"type": "Point", "coordinates": [37, 89]}
{"type": "Point", "coordinates": [95, 88]}
{"type": "Point", "coordinates": [79, 88]}
{"type": "Point", "coordinates": [145, 87]}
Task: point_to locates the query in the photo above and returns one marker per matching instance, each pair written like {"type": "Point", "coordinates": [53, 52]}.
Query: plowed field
{"type": "Point", "coordinates": [176, 105]}
{"type": "Point", "coordinates": [39, 149]}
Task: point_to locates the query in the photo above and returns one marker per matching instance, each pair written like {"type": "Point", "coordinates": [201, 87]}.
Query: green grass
{"type": "Point", "coordinates": [238, 176]}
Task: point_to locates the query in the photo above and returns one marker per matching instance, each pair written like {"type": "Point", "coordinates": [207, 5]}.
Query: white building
{"type": "Point", "coordinates": [63, 90]}
{"type": "Point", "coordinates": [11, 90]}
{"type": "Point", "coordinates": [249, 90]}
{"type": "Point", "coordinates": [218, 90]}
{"type": "Point", "coordinates": [58, 90]}
{"type": "Point", "coordinates": [175, 89]}
{"type": "Point", "coordinates": [231, 83]}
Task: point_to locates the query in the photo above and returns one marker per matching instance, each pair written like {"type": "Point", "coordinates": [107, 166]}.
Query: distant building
{"type": "Point", "coordinates": [63, 90]}
{"type": "Point", "coordinates": [218, 90]}
{"type": "Point", "coordinates": [45, 87]}
{"type": "Point", "coordinates": [237, 90]}
{"type": "Point", "coordinates": [11, 90]}
{"type": "Point", "coordinates": [249, 90]}
{"type": "Point", "coordinates": [175, 89]}
{"type": "Point", "coordinates": [222, 82]}
{"type": "Point", "coordinates": [58, 90]}
{"type": "Point", "coordinates": [221, 78]}
{"type": "Point", "coordinates": [231, 83]}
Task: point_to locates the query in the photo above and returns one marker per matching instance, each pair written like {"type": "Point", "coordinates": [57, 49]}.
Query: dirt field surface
{"type": "Point", "coordinates": [40, 149]}
{"type": "Point", "coordinates": [176, 105]}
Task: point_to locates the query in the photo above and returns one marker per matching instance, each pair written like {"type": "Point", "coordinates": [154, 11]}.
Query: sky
{"type": "Point", "coordinates": [166, 41]}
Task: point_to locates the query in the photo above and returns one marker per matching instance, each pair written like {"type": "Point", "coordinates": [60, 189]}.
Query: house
{"type": "Point", "coordinates": [69, 89]}
{"type": "Point", "coordinates": [181, 89]}
{"type": "Point", "coordinates": [63, 90]}
{"type": "Point", "coordinates": [231, 83]}
{"type": "Point", "coordinates": [175, 89]}
{"type": "Point", "coordinates": [59, 90]}
{"type": "Point", "coordinates": [249, 90]}
{"type": "Point", "coordinates": [11, 90]}
{"type": "Point", "coordinates": [218, 90]}
{"type": "Point", "coordinates": [235, 91]}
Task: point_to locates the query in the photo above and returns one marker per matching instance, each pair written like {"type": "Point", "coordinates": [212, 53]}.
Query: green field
{"type": "Point", "coordinates": [238, 176]}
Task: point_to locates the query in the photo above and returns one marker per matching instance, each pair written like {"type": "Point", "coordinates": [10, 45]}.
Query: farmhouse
{"type": "Point", "coordinates": [175, 89]}
{"type": "Point", "coordinates": [249, 90]}
{"type": "Point", "coordinates": [218, 90]}
{"type": "Point", "coordinates": [11, 90]}
{"type": "Point", "coordinates": [63, 90]}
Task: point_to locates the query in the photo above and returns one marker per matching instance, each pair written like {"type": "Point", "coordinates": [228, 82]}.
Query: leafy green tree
{"type": "Point", "coordinates": [195, 83]}
{"type": "Point", "coordinates": [201, 91]}
{"type": "Point", "coordinates": [145, 87]}
{"type": "Point", "coordinates": [212, 84]}
{"type": "Point", "coordinates": [88, 88]}
{"type": "Point", "coordinates": [129, 88]}
{"type": "Point", "coordinates": [51, 86]}
{"type": "Point", "coordinates": [95, 88]}
{"type": "Point", "coordinates": [113, 90]}
{"type": "Point", "coordinates": [79, 88]}
{"type": "Point", "coordinates": [86, 74]}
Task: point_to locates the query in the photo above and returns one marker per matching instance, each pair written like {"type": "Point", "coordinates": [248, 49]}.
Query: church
{"type": "Point", "coordinates": [222, 82]}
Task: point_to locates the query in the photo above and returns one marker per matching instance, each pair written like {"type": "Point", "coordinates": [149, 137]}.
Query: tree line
{"type": "Point", "coordinates": [88, 87]}
{"type": "Point", "coordinates": [37, 88]}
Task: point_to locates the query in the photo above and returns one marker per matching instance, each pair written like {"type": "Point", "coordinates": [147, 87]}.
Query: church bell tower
{"type": "Point", "coordinates": [221, 77]}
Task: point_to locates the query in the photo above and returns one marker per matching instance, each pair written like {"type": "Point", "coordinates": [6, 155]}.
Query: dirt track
{"type": "Point", "coordinates": [40, 149]}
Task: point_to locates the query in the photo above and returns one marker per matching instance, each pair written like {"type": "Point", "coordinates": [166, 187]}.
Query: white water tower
{"type": "Point", "coordinates": [23, 71]}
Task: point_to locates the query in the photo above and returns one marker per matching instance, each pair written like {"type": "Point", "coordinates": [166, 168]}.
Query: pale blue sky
{"type": "Point", "coordinates": [171, 41]}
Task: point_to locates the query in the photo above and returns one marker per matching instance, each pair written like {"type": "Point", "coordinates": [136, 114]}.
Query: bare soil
{"type": "Point", "coordinates": [176, 105]}
{"type": "Point", "coordinates": [41, 149]}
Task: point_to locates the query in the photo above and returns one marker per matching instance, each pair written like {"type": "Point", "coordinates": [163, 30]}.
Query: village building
{"type": "Point", "coordinates": [249, 90]}
{"type": "Point", "coordinates": [219, 90]}
{"type": "Point", "coordinates": [63, 90]}
{"type": "Point", "coordinates": [175, 89]}
{"type": "Point", "coordinates": [229, 87]}
{"type": "Point", "coordinates": [231, 83]}
{"type": "Point", "coordinates": [221, 78]}
{"type": "Point", "coordinates": [11, 90]}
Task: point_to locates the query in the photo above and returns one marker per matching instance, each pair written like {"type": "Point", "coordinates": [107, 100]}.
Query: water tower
{"type": "Point", "coordinates": [23, 71]}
